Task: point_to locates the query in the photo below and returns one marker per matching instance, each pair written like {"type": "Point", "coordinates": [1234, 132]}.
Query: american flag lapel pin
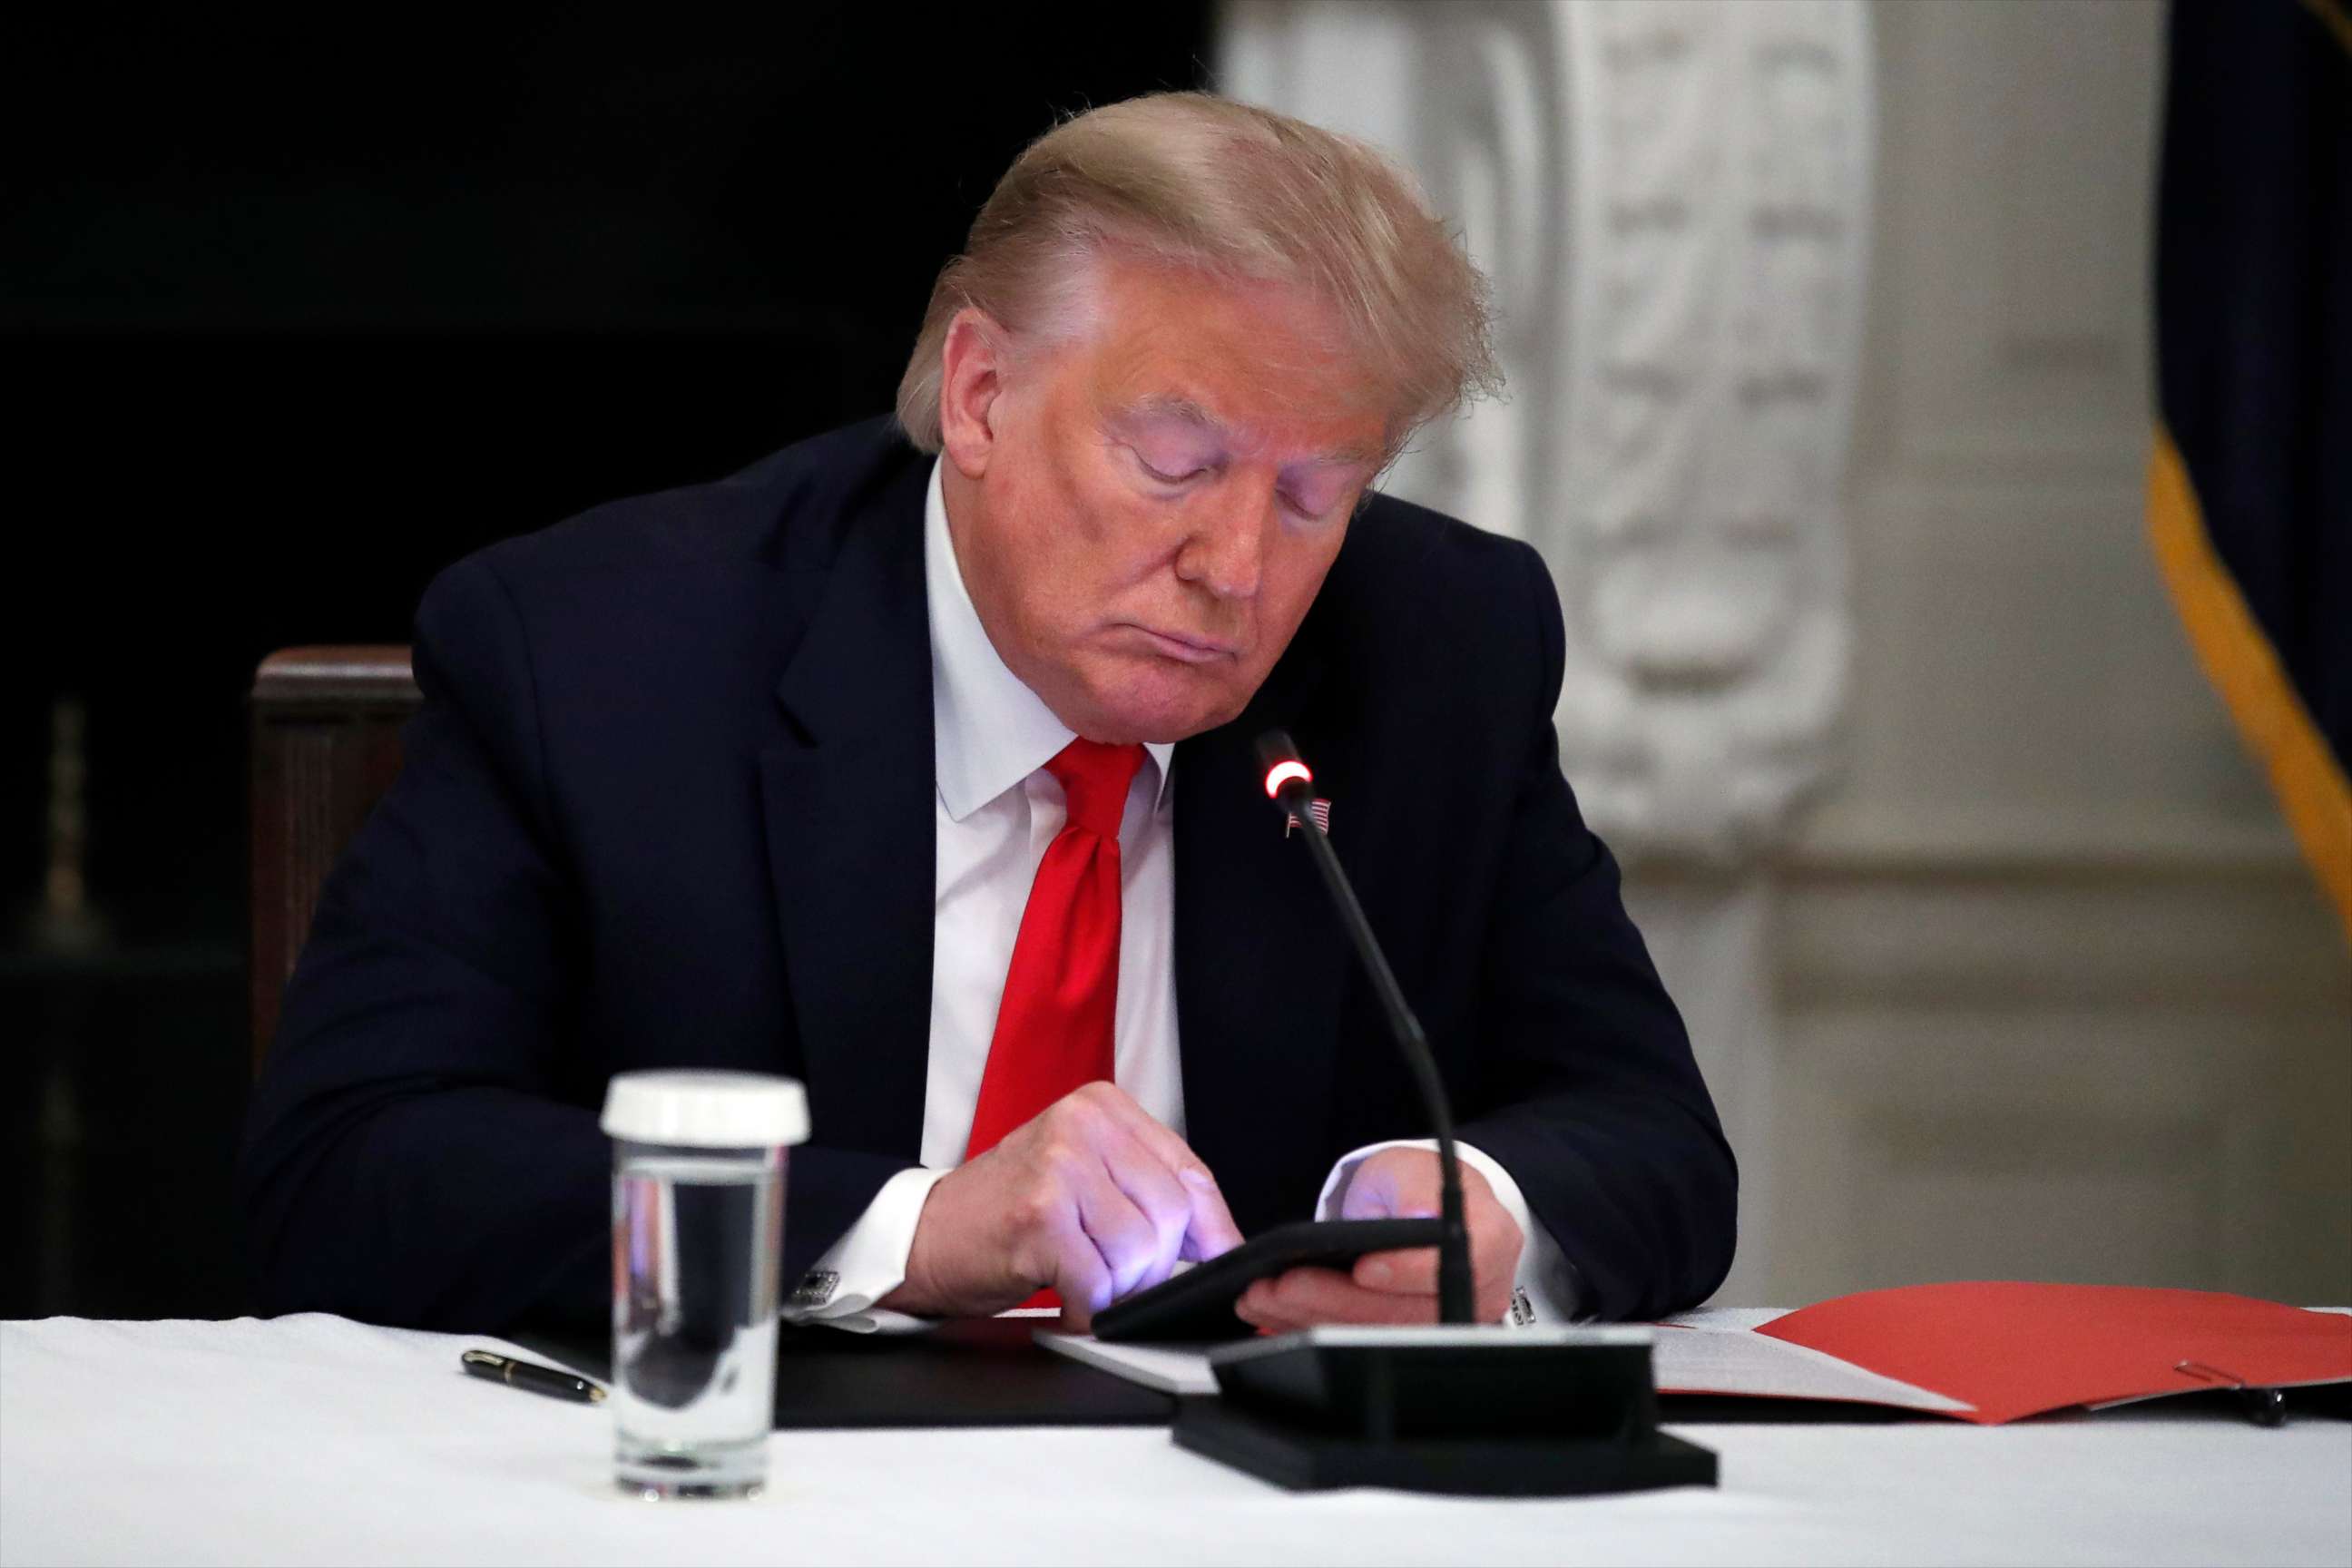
{"type": "Point", "coordinates": [1319, 808]}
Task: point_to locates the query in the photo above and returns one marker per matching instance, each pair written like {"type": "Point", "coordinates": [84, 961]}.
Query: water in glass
{"type": "Point", "coordinates": [696, 1234]}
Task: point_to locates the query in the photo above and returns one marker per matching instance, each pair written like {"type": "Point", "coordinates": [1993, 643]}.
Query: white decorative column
{"type": "Point", "coordinates": [1672, 198]}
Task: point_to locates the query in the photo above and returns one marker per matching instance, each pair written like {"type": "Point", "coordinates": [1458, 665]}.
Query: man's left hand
{"type": "Point", "coordinates": [1395, 1287]}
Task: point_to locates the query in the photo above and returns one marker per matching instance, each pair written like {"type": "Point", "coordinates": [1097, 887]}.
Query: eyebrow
{"type": "Point", "coordinates": [1163, 405]}
{"type": "Point", "coordinates": [1159, 405]}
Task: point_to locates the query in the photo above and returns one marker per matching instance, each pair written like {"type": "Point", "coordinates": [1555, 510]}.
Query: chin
{"type": "Point", "coordinates": [1159, 708]}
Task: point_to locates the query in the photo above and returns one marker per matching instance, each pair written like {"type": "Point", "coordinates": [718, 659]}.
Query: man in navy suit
{"type": "Point", "coordinates": [915, 761]}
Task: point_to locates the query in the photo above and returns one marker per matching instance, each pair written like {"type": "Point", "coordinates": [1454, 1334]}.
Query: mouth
{"type": "Point", "coordinates": [1184, 648]}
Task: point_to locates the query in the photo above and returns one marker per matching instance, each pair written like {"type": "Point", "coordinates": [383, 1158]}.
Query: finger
{"type": "Point", "coordinates": [1123, 1233]}
{"type": "Point", "coordinates": [1260, 1315]}
{"type": "Point", "coordinates": [1052, 1251]}
{"type": "Point", "coordinates": [1251, 1307]}
{"type": "Point", "coordinates": [1121, 1108]}
{"type": "Point", "coordinates": [1080, 1275]}
{"type": "Point", "coordinates": [1404, 1270]}
{"type": "Point", "coordinates": [1494, 1246]}
{"type": "Point", "coordinates": [1303, 1297]}
{"type": "Point", "coordinates": [1211, 1230]}
{"type": "Point", "coordinates": [1246, 1306]}
{"type": "Point", "coordinates": [1162, 1196]}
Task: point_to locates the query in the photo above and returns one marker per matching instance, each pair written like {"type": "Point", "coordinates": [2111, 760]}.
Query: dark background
{"type": "Point", "coordinates": [295, 315]}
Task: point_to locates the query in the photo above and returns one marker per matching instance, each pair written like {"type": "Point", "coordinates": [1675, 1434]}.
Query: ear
{"type": "Point", "coordinates": [972, 379]}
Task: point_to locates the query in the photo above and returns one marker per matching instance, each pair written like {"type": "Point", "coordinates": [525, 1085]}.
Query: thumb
{"type": "Point", "coordinates": [1366, 1198]}
{"type": "Point", "coordinates": [1386, 1187]}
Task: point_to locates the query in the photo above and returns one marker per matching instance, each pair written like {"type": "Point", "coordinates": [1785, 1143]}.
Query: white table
{"type": "Point", "coordinates": [317, 1440]}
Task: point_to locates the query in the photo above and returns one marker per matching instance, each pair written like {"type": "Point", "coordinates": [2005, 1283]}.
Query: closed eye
{"type": "Point", "coordinates": [1143, 463]}
{"type": "Point", "coordinates": [1331, 509]}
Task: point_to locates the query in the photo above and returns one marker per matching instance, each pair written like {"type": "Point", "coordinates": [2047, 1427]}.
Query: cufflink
{"type": "Point", "coordinates": [816, 1288]}
{"type": "Point", "coordinates": [1318, 808]}
{"type": "Point", "coordinates": [1523, 1312]}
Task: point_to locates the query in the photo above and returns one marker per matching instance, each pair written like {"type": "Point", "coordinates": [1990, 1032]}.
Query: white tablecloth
{"type": "Point", "coordinates": [317, 1440]}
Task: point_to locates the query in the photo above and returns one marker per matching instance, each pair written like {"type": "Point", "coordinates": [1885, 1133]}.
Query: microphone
{"type": "Point", "coordinates": [1289, 783]}
{"type": "Point", "coordinates": [1456, 1407]}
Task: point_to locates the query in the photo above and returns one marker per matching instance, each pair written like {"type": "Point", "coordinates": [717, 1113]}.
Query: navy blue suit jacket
{"type": "Point", "coordinates": [669, 803]}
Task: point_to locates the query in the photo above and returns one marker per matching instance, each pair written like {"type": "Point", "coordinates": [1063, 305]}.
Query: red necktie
{"type": "Point", "coordinates": [1053, 1028]}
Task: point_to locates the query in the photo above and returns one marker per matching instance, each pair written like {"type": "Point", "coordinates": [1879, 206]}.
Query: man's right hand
{"type": "Point", "coordinates": [1091, 1196]}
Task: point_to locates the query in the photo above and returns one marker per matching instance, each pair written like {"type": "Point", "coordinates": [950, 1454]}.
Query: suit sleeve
{"type": "Point", "coordinates": [1587, 1091]}
{"type": "Point", "coordinates": [422, 1148]}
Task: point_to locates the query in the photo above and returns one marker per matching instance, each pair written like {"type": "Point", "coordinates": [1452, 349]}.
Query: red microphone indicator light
{"type": "Point", "coordinates": [1284, 773]}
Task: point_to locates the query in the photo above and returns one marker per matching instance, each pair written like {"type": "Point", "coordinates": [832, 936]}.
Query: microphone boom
{"type": "Point", "coordinates": [1289, 782]}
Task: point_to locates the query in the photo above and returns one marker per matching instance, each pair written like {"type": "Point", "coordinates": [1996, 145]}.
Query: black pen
{"type": "Point", "coordinates": [529, 1375]}
{"type": "Point", "coordinates": [2263, 1406]}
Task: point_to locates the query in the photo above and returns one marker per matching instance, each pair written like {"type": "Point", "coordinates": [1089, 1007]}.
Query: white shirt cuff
{"type": "Point", "coordinates": [1544, 1290]}
{"type": "Point", "coordinates": [867, 1263]}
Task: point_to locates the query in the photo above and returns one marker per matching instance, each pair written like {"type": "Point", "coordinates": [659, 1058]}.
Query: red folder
{"type": "Point", "coordinates": [2011, 1350]}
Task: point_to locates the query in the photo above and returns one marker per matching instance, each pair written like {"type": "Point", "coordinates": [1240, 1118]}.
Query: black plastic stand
{"type": "Point", "coordinates": [1484, 1412]}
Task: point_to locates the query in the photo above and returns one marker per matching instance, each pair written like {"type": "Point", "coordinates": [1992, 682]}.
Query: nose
{"type": "Point", "coordinates": [1224, 549]}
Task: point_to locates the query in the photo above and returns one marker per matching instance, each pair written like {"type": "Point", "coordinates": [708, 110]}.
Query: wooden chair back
{"type": "Point", "coordinates": [325, 746]}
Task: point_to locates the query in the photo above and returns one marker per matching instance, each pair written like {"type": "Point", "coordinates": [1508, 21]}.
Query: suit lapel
{"type": "Point", "coordinates": [1260, 966]}
{"type": "Point", "coordinates": [850, 829]}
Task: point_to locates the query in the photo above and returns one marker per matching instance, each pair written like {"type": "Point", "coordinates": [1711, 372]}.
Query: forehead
{"type": "Point", "coordinates": [1252, 366]}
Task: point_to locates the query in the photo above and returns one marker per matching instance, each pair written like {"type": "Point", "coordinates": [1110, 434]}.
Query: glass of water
{"type": "Point", "coordinates": [698, 1167]}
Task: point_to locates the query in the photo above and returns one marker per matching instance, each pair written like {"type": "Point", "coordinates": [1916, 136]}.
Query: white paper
{"type": "Point", "coordinates": [1699, 1360]}
{"type": "Point", "coordinates": [1170, 1369]}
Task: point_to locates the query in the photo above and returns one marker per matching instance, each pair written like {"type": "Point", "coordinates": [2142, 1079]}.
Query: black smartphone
{"type": "Point", "coordinates": [1198, 1304]}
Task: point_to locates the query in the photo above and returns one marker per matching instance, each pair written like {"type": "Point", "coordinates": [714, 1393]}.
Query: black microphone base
{"type": "Point", "coordinates": [1482, 1412]}
{"type": "Point", "coordinates": [1309, 1461]}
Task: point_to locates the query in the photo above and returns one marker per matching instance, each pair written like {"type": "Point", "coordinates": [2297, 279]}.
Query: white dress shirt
{"type": "Point", "coordinates": [997, 809]}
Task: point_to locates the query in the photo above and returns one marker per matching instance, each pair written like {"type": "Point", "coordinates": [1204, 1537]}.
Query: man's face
{"type": "Point", "coordinates": [1143, 515]}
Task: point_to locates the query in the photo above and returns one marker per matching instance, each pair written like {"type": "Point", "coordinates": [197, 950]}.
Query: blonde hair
{"type": "Point", "coordinates": [1196, 180]}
